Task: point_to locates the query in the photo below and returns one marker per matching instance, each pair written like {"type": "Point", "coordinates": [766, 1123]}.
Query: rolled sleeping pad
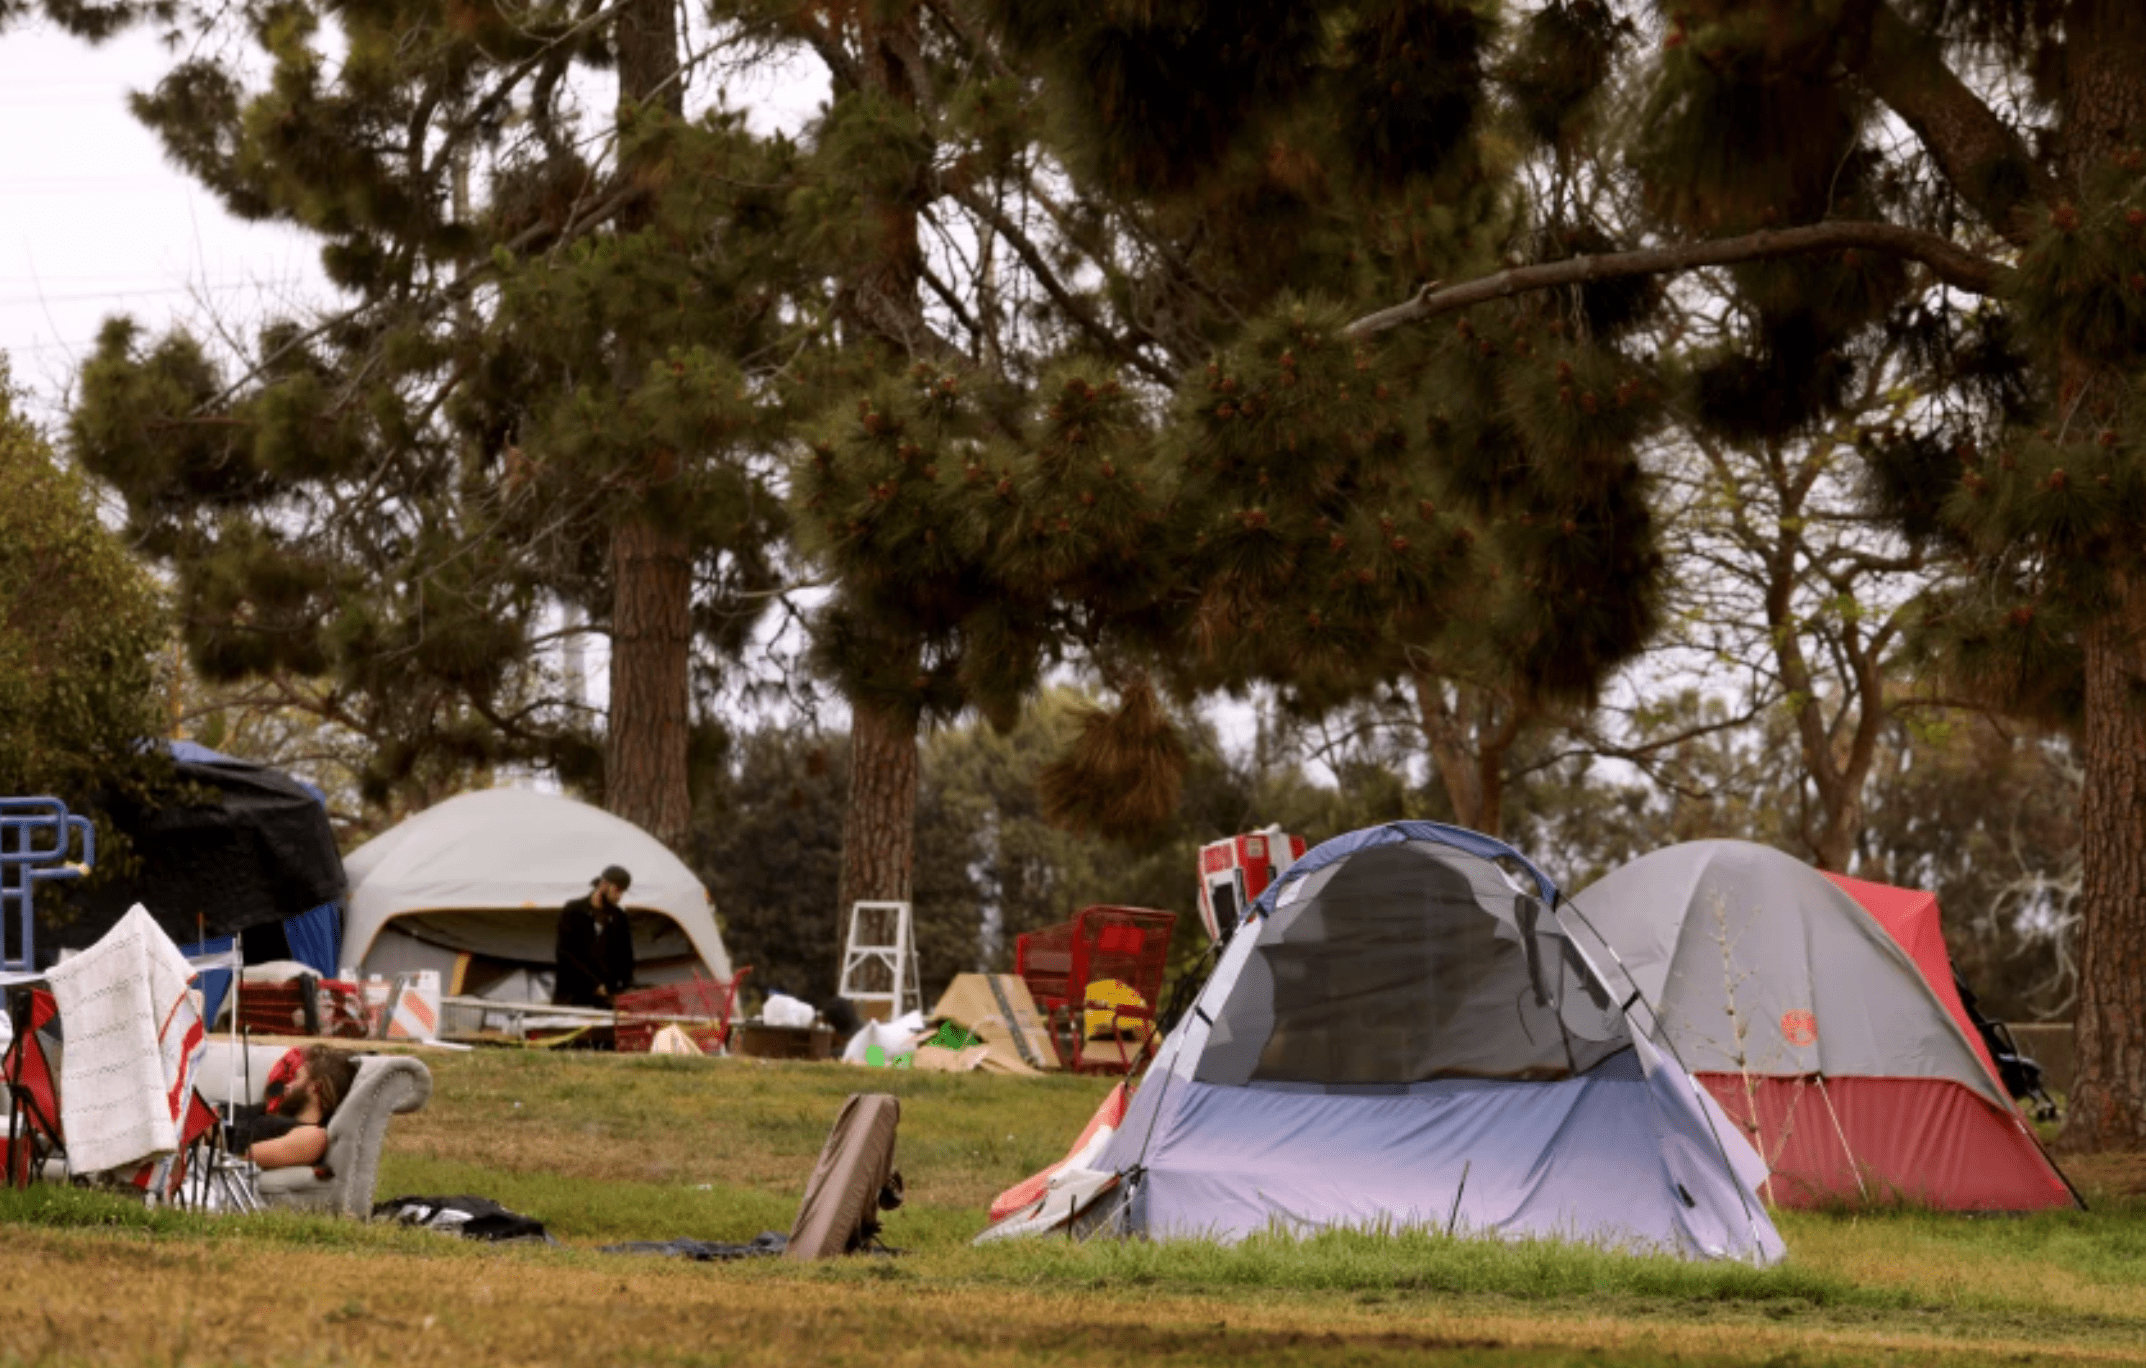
{"type": "Point", "coordinates": [853, 1181]}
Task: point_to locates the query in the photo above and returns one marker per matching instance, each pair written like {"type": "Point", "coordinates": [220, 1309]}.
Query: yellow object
{"type": "Point", "coordinates": [563, 1038]}
{"type": "Point", "coordinates": [1106, 999]}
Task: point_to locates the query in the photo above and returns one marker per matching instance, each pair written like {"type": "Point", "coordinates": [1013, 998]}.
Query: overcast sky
{"type": "Point", "coordinates": [94, 222]}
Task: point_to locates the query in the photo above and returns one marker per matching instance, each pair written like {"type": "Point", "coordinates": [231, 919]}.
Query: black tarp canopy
{"type": "Point", "coordinates": [261, 852]}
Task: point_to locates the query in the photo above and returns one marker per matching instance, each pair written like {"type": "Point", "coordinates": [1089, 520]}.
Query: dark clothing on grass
{"type": "Point", "coordinates": [594, 954]}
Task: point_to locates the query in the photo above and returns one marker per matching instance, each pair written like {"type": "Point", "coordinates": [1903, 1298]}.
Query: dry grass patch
{"type": "Point", "coordinates": [208, 1300]}
{"type": "Point", "coordinates": [2105, 1177]}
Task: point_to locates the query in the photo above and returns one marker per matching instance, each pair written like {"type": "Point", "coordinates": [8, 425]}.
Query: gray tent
{"type": "Point", "coordinates": [472, 887]}
{"type": "Point", "coordinates": [1405, 1033]}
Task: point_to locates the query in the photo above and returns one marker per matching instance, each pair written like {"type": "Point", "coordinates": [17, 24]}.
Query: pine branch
{"type": "Point", "coordinates": [827, 46]}
{"type": "Point", "coordinates": [496, 104]}
{"type": "Point", "coordinates": [534, 237]}
{"type": "Point", "coordinates": [1904, 66]}
{"type": "Point", "coordinates": [1081, 315]}
{"type": "Point", "coordinates": [969, 29]}
{"type": "Point", "coordinates": [1948, 261]}
{"type": "Point", "coordinates": [952, 301]}
{"type": "Point", "coordinates": [1646, 756]}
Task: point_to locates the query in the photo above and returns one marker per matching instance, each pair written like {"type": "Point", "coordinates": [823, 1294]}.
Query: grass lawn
{"type": "Point", "coordinates": [607, 1148]}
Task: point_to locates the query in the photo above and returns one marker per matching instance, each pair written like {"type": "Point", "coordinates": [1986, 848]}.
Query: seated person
{"type": "Point", "coordinates": [290, 1129]}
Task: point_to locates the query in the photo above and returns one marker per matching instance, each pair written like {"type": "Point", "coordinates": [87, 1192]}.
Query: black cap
{"type": "Point", "coordinates": [615, 876]}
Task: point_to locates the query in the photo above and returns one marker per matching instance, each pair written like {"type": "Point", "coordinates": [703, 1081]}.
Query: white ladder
{"type": "Point", "coordinates": [879, 961]}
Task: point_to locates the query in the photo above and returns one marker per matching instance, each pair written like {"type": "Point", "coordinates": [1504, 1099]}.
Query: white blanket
{"type": "Point", "coordinates": [133, 1038]}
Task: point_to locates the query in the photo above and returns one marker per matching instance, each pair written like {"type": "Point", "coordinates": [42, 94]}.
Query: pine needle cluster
{"type": "Point", "coordinates": [1152, 94]}
{"type": "Point", "coordinates": [1122, 775]}
{"type": "Point", "coordinates": [2043, 508]}
{"type": "Point", "coordinates": [1746, 125]}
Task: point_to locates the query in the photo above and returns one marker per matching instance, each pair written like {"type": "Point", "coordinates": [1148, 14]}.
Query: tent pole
{"type": "Point", "coordinates": [1853, 1166]}
{"type": "Point", "coordinates": [1559, 902]}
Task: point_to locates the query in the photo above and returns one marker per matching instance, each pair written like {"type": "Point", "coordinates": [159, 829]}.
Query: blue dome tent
{"type": "Point", "coordinates": [1407, 1031]}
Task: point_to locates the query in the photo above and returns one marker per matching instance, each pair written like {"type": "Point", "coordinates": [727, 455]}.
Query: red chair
{"type": "Point", "coordinates": [31, 1070]}
{"type": "Point", "coordinates": [200, 1143]}
{"type": "Point", "coordinates": [1130, 945]}
{"type": "Point", "coordinates": [701, 1006]}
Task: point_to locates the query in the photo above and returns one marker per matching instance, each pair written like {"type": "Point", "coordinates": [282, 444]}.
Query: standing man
{"type": "Point", "coordinates": [595, 947]}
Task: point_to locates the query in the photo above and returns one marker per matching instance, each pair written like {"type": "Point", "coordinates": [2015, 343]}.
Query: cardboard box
{"type": "Point", "coordinates": [999, 1010]}
{"type": "Point", "coordinates": [758, 1040]}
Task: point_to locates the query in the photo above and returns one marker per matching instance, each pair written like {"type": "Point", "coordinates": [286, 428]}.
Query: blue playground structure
{"type": "Point", "coordinates": [35, 834]}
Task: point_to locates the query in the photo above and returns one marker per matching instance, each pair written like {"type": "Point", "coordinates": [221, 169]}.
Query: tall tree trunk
{"type": "Point", "coordinates": [879, 824]}
{"type": "Point", "coordinates": [651, 656]}
{"type": "Point", "coordinates": [880, 302]}
{"type": "Point", "coordinates": [1447, 737]}
{"type": "Point", "coordinates": [650, 731]}
{"type": "Point", "coordinates": [2108, 1099]}
{"type": "Point", "coordinates": [1834, 844]}
{"type": "Point", "coordinates": [1470, 738]}
{"type": "Point", "coordinates": [2104, 102]}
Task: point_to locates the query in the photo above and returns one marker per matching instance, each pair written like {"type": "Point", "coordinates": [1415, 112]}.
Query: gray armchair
{"type": "Point", "coordinates": [386, 1085]}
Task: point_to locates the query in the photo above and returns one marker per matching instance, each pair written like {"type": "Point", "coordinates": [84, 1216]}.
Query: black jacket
{"type": "Point", "coordinates": [591, 954]}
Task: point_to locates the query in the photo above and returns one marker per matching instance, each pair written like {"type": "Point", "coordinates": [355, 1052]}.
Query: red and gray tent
{"type": "Point", "coordinates": [1843, 1051]}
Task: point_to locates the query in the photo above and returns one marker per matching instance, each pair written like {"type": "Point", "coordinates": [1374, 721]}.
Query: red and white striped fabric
{"type": "Point", "coordinates": [134, 1041]}
{"type": "Point", "coordinates": [416, 1012]}
{"type": "Point", "coordinates": [1093, 1137]}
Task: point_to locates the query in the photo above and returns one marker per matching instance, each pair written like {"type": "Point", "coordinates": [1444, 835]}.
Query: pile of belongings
{"type": "Point", "coordinates": [286, 998]}
{"type": "Point", "coordinates": [983, 1023]}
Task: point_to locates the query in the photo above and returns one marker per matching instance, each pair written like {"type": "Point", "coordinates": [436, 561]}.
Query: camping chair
{"type": "Point", "coordinates": [701, 1006]}
{"type": "Point", "coordinates": [32, 1075]}
{"type": "Point", "coordinates": [36, 1142]}
{"type": "Point", "coordinates": [1068, 968]}
{"type": "Point", "coordinates": [203, 1174]}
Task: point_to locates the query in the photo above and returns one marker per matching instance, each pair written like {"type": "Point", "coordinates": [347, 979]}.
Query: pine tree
{"type": "Point", "coordinates": [1218, 169]}
{"type": "Point", "coordinates": [1762, 145]}
{"type": "Point", "coordinates": [546, 393]}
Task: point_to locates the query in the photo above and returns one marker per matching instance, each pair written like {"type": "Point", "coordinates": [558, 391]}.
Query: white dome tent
{"type": "Point", "coordinates": [472, 888]}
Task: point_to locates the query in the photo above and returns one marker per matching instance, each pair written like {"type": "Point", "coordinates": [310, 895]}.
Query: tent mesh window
{"type": "Point", "coordinates": [1405, 963]}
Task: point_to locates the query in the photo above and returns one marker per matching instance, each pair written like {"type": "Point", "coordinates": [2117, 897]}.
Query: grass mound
{"type": "Point", "coordinates": [606, 1149]}
{"type": "Point", "coordinates": [1414, 1260]}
